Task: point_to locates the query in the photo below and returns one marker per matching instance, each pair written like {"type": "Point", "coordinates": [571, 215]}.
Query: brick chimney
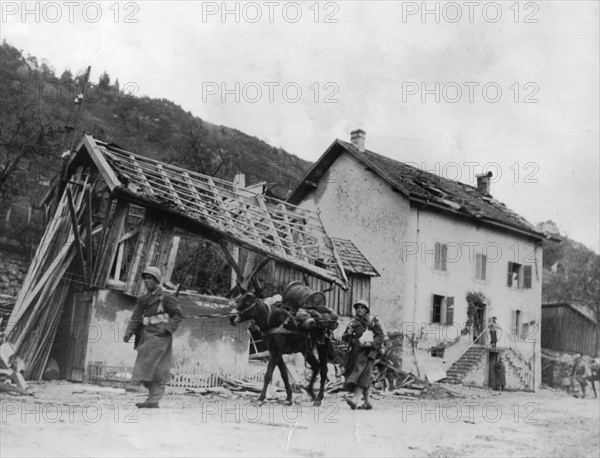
{"type": "Point", "coordinates": [483, 183]}
{"type": "Point", "coordinates": [358, 139]}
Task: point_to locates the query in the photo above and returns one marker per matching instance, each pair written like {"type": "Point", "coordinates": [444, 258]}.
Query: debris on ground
{"type": "Point", "coordinates": [12, 368]}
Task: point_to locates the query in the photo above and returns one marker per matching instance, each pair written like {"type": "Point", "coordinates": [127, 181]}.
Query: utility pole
{"type": "Point", "coordinates": [68, 153]}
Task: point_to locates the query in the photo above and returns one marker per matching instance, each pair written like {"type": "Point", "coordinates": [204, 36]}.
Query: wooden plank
{"type": "Point", "coordinates": [195, 194]}
{"type": "Point", "coordinates": [89, 244]}
{"type": "Point", "coordinates": [119, 262]}
{"type": "Point", "coordinates": [270, 224]}
{"type": "Point", "coordinates": [142, 176]}
{"type": "Point", "coordinates": [172, 257]}
{"type": "Point", "coordinates": [98, 158]}
{"type": "Point", "coordinates": [75, 228]}
{"type": "Point", "coordinates": [128, 235]}
{"type": "Point", "coordinates": [166, 179]}
{"type": "Point", "coordinates": [139, 257]}
{"type": "Point", "coordinates": [232, 262]}
{"type": "Point", "coordinates": [111, 246]}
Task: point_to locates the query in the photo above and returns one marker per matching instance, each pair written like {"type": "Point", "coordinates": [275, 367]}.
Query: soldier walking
{"type": "Point", "coordinates": [581, 373]}
{"type": "Point", "coordinates": [154, 320]}
{"type": "Point", "coordinates": [361, 355]}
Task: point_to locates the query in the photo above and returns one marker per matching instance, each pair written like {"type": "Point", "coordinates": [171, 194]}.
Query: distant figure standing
{"type": "Point", "coordinates": [365, 337]}
{"type": "Point", "coordinates": [499, 374]}
{"type": "Point", "coordinates": [155, 318]}
{"type": "Point", "coordinates": [494, 328]}
{"type": "Point", "coordinates": [581, 373]}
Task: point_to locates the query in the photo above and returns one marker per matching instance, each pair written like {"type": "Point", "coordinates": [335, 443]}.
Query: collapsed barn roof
{"type": "Point", "coordinates": [219, 209]}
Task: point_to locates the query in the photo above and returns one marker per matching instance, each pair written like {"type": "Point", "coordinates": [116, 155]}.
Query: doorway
{"type": "Point", "coordinates": [492, 359]}
{"type": "Point", "coordinates": [479, 323]}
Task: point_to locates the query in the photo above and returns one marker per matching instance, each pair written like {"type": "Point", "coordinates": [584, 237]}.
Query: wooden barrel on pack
{"type": "Point", "coordinates": [299, 295]}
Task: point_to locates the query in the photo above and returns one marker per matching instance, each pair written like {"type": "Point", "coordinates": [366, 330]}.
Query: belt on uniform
{"type": "Point", "coordinates": [160, 318]}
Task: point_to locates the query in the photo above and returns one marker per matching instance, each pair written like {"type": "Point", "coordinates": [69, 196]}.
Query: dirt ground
{"type": "Point", "coordinates": [67, 419]}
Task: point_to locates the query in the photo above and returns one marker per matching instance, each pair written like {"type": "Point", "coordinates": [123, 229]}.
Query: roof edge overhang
{"type": "Point", "coordinates": [482, 220]}
{"type": "Point", "coordinates": [301, 189]}
{"type": "Point", "coordinates": [569, 305]}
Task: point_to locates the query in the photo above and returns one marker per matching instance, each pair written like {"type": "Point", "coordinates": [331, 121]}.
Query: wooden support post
{"type": "Point", "coordinates": [89, 244]}
{"type": "Point", "coordinates": [232, 262]}
{"type": "Point", "coordinates": [103, 236]}
{"type": "Point", "coordinates": [172, 257]}
{"type": "Point", "coordinates": [76, 235]}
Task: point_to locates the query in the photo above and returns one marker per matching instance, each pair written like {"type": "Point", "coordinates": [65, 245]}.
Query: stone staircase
{"type": "Point", "coordinates": [465, 363]}
{"type": "Point", "coordinates": [519, 366]}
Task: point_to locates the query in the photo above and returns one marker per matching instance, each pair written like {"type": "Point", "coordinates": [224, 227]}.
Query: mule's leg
{"type": "Point", "coordinates": [273, 360]}
{"type": "Point", "coordinates": [323, 354]}
{"type": "Point", "coordinates": [593, 383]}
{"type": "Point", "coordinates": [314, 365]}
{"type": "Point", "coordinates": [286, 380]}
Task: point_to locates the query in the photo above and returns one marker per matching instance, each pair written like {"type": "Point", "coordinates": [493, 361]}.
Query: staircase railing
{"type": "Point", "coordinates": [473, 343]}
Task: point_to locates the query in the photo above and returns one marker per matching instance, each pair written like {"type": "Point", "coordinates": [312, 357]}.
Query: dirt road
{"type": "Point", "coordinates": [82, 420]}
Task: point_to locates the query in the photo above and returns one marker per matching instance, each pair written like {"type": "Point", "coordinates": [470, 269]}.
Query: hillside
{"type": "Point", "coordinates": [571, 271]}
{"type": "Point", "coordinates": [36, 112]}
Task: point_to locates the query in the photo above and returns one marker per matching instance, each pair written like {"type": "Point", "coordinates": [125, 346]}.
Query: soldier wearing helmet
{"type": "Point", "coordinates": [155, 318]}
{"type": "Point", "coordinates": [365, 337]}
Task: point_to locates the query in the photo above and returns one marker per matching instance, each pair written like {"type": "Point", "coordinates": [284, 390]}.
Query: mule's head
{"type": "Point", "coordinates": [244, 308]}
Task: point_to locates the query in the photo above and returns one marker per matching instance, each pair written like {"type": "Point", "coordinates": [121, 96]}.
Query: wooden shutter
{"type": "Point", "coordinates": [483, 267]}
{"type": "Point", "coordinates": [449, 310]}
{"type": "Point", "coordinates": [510, 270]}
{"type": "Point", "coordinates": [432, 308]}
{"type": "Point", "coordinates": [513, 322]}
{"type": "Point", "coordinates": [444, 256]}
{"type": "Point", "coordinates": [527, 277]}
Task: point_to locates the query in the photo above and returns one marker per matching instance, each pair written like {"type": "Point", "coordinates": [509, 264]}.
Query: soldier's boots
{"type": "Point", "coordinates": [155, 393]}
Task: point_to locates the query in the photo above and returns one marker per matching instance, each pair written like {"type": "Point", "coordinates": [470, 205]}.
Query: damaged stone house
{"type": "Point", "coordinates": [115, 213]}
{"type": "Point", "coordinates": [450, 256]}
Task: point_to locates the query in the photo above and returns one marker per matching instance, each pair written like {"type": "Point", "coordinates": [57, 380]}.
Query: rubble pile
{"type": "Point", "coordinates": [12, 369]}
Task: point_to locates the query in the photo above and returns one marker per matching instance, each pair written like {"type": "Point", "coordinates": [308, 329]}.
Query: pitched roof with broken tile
{"type": "Point", "coordinates": [352, 259]}
{"type": "Point", "coordinates": [422, 187]}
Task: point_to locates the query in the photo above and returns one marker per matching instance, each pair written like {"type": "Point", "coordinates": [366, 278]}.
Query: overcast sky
{"type": "Point", "coordinates": [325, 69]}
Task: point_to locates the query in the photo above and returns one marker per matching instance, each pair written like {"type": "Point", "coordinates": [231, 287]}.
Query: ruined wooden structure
{"type": "Point", "coordinates": [117, 212]}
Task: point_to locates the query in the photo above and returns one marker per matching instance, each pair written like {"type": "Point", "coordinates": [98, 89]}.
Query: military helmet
{"type": "Point", "coordinates": [153, 272]}
{"type": "Point", "coordinates": [363, 303]}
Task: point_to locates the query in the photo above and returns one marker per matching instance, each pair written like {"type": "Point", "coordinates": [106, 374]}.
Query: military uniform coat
{"type": "Point", "coordinates": [155, 354]}
{"type": "Point", "coordinates": [361, 357]}
{"type": "Point", "coordinates": [499, 374]}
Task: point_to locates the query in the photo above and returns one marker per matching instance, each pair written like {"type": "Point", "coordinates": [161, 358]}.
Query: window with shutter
{"type": "Point", "coordinates": [441, 254]}
{"type": "Point", "coordinates": [449, 310]}
{"type": "Point", "coordinates": [527, 277]}
{"type": "Point", "coordinates": [436, 315]}
{"type": "Point", "coordinates": [515, 275]}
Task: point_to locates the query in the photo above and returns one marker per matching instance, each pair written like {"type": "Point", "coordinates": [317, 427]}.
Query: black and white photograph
{"type": "Point", "coordinates": [300, 228]}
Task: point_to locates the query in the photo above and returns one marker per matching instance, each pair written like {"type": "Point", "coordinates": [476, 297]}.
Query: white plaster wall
{"type": "Point", "coordinates": [464, 240]}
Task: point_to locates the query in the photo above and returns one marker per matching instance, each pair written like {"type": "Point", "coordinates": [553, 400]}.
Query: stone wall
{"type": "Point", "coordinates": [13, 268]}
